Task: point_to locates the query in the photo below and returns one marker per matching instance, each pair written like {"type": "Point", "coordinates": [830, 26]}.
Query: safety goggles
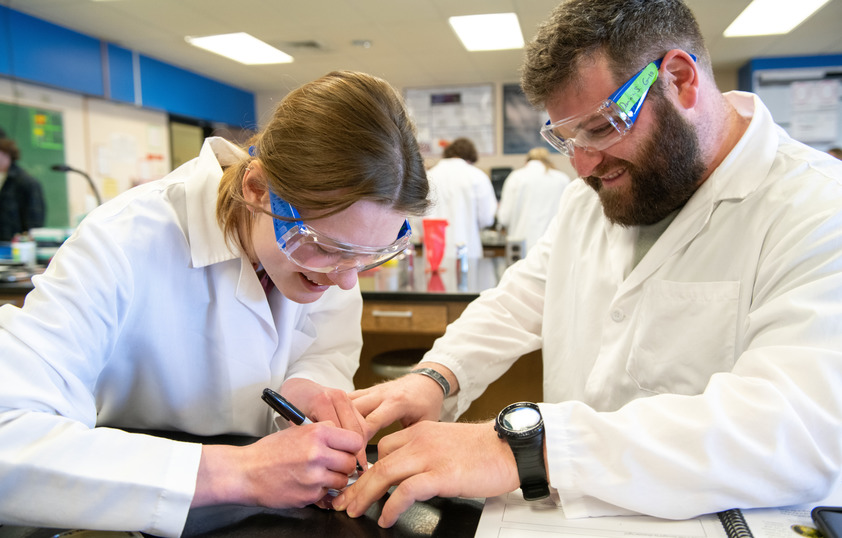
{"type": "Point", "coordinates": [314, 251]}
{"type": "Point", "coordinates": [611, 121]}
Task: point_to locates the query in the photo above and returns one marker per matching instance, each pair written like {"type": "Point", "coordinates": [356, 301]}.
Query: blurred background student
{"type": "Point", "coordinates": [530, 197]}
{"type": "Point", "coordinates": [22, 204]}
{"type": "Point", "coordinates": [462, 194]}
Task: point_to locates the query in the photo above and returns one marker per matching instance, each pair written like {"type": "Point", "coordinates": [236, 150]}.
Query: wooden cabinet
{"type": "Point", "coordinates": [418, 318]}
{"type": "Point", "coordinates": [15, 298]}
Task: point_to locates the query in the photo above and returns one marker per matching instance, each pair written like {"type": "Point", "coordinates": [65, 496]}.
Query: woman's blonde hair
{"type": "Point", "coordinates": [540, 154]}
{"type": "Point", "coordinates": [342, 138]}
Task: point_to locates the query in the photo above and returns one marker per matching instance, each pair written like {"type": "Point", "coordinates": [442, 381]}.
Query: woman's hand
{"type": "Point", "coordinates": [323, 404]}
{"type": "Point", "coordinates": [290, 468]}
{"type": "Point", "coordinates": [408, 399]}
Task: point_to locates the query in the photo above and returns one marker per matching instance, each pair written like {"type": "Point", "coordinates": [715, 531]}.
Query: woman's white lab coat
{"type": "Point", "coordinates": [708, 376]}
{"type": "Point", "coordinates": [146, 318]}
{"type": "Point", "coordinates": [529, 201]}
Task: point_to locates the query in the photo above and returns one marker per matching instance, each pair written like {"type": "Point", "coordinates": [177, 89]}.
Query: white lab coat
{"type": "Point", "coordinates": [463, 195]}
{"type": "Point", "coordinates": [147, 319]}
{"type": "Point", "coordinates": [529, 200]}
{"type": "Point", "coordinates": [706, 377]}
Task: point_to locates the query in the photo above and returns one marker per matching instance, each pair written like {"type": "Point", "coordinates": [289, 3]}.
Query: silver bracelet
{"type": "Point", "coordinates": [435, 376]}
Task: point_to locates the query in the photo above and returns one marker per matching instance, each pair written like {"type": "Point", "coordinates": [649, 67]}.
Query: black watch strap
{"type": "Point", "coordinates": [529, 456]}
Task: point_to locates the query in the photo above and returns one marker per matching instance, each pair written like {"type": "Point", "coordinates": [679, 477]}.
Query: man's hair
{"type": "Point", "coordinates": [631, 33]}
{"type": "Point", "coordinates": [461, 148]}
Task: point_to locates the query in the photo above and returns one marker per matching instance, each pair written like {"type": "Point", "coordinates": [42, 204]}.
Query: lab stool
{"type": "Point", "coordinates": [396, 362]}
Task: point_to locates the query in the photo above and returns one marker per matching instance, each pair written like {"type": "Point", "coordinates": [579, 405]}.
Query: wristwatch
{"type": "Point", "coordinates": [522, 426]}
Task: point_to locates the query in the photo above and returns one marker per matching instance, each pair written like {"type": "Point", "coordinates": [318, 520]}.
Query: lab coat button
{"type": "Point", "coordinates": [617, 315]}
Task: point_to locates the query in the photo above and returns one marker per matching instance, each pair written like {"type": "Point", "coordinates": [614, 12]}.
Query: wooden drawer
{"type": "Point", "coordinates": [404, 317]}
{"type": "Point", "coordinates": [15, 299]}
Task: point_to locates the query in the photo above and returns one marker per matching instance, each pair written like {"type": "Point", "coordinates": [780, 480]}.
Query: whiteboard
{"type": "Point", "coordinates": [445, 113]}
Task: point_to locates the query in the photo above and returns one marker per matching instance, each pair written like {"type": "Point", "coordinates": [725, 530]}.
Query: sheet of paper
{"type": "Point", "coordinates": [509, 516]}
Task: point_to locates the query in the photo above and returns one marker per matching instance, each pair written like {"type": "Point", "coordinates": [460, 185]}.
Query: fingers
{"type": "Point", "coordinates": [408, 399]}
{"type": "Point", "coordinates": [417, 488]}
{"type": "Point", "coordinates": [365, 401]}
{"type": "Point", "coordinates": [380, 418]}
{"type": "Point", "coordinates": [372, 485]}
{"type": "Point", "coordinates": [350, 419]}
{"type": "Point", "coordinates": [342, 440]}
{"type": "Point", "coordinates": [357, 497]}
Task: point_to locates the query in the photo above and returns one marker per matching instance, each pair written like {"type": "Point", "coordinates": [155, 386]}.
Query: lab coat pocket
{"type": "Point", "coordinates": [685, 332]}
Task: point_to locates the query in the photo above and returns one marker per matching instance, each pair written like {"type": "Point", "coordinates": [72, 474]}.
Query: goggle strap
{"type": "Point", "coordinates": [284, 209]}
{"type": "Point", "coordinates": [406, 229]}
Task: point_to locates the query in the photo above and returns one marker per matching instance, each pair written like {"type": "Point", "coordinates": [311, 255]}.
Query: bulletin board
{"type": "Point", "coordinates": [805, 99]}
{"type": "Point", "coordinates": [446, 113]}
{"type": "Point", "coordinates": [809, 110]}
{"type": "Point", "coordinates": [39, 135]}
{"type": "Point", "coordinates": [128, 146]}
{"type": "Point", "coordinates": [521, 122]}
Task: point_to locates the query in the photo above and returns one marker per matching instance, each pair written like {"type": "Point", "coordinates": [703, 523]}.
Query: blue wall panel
{"type": "Point", "coordinates": [745, 75]}
{"type": "Point", "coordinates": [42, 52]}
{"type": "Point", "coordinates": [182, 92]}
{"type": "Point", "coordinates": [5, 41]}
{"type": "Point", "coordinates": [120, 74]}
{"type": "Point", "coordinates": [53, 55]}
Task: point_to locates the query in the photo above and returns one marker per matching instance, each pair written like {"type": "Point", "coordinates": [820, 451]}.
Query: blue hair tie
{"type": "Point", "coordinates": [252, 151]}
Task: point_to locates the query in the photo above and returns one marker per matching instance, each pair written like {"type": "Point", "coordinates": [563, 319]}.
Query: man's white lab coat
{"type": "Point", "coordinates": [708, 376]}
{"type": "Point", "coordinates": [145, 318]}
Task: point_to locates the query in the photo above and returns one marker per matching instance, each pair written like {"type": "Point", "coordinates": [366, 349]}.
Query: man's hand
{"type": "Point", "coordinates": [408, 399]}
{"type": "Point", "coordinates": [429, 459]}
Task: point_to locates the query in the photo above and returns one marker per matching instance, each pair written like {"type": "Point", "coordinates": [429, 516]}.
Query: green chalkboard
{"type": "Point", "coordinates": [39, 134]}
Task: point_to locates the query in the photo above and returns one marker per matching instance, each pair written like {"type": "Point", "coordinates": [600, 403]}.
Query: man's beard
{"type": "Point", "coordinates": [668, 172]}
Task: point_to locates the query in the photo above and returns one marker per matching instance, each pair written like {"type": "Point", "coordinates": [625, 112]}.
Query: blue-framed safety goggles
{"type": "Point", "coordinates": [612, 119]}
{"type": "Point", "coordinates": [312, 250]}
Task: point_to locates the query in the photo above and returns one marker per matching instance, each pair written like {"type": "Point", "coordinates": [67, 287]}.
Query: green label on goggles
{"type": "Point", "coordinates": [638, 87]}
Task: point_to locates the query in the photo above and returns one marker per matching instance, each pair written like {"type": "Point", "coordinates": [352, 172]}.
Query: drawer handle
{"type": "Point", "coordinates": [392, 313]}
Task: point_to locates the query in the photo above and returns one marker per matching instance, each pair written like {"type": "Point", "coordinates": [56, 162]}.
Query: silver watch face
{"type": "Point", "coordinates": [521, 419]}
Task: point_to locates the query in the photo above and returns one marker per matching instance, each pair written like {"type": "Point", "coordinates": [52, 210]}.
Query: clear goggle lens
{"type": "Point", "coordinates": [309, 249]}
{"type": "Point", "coordinates": [312, 250]}
{"type": "Point", "coordinates": [611, 120]}
{"type": "Point", "coordinates": [603, 129]}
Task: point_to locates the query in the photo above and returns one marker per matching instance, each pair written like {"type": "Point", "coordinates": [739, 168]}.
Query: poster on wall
{"type": "Point", "coordinates": [444, 114]}
{"type": "Point", "coordinates": [521, 122]}
{"type": "Point", "coordinates": [815, 110]}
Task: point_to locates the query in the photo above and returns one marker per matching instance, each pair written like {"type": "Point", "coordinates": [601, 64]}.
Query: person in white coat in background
{"type": "Point", "coordinates": [173, 305]}
{"type": "Point", "coordinates": [530, 198]}
{"type": "Point", "coordinates": [462, 194]}
{"type": "Point", "coordinates": [687, 300]}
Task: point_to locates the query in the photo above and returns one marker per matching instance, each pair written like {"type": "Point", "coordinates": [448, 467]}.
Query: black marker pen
{"type": "Point", "coordinates": [285, 408]}
{"type": "Point", "coordinates": [288, 411]}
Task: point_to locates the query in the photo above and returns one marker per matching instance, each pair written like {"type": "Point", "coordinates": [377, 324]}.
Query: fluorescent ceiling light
{"type": "Point", "coordinates": [496, 31]}
{"type": "Point", "coordinates": [769, 17]}
{"type": "Point", "coordinates": [241, 47]}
